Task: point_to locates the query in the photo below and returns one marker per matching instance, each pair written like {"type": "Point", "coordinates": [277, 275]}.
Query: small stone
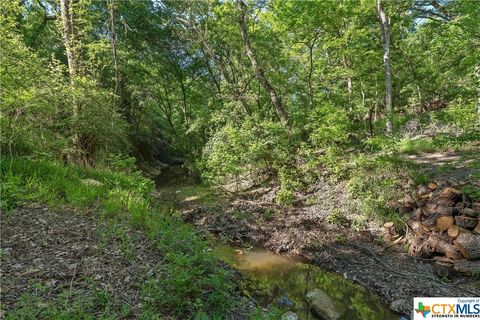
{"type": "Point", "coordinates": [289, 315]}
{"type": "Point", "coordinates": [399, 305]}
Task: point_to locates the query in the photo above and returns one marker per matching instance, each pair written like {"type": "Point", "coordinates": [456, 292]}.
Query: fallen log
{"type": "Point", "coordinates": [476, 207]}
{"type": "Point", "coordinates": [431, 220]}
{"type": "Point", "coordinates": [444, 202]}
{"type": "Point", "coordinates": [468, 244]}
{"type": "Point", "coordinates": [419, 248]}
{"type": "Point", "coordinates": [470, 213]}
{"type": "Point", "coordinates": [467, 267]}
{"type": "Point", "coordinates": [418, 229]}
{"type": "Point", "coordinates": [437, 244]}
{"type": "Point", "coordinates": [466, 222]}
{"type": "Point", "coordinates": [445, 211]}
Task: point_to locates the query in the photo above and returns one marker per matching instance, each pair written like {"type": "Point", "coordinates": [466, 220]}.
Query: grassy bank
{"type": "Point", "coordinates": [190, 283]}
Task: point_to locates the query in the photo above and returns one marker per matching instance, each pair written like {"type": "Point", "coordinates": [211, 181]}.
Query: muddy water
{"type": "Point", "coordinates": [274, 280]}
{"type": "Point", "coordinates": [279, 281]}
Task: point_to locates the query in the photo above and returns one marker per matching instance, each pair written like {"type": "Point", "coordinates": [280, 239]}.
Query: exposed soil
{"type": "Point", "coordinates": [306, 230]}
{"type": "Point", "coordinates": [62, 249]}
{"type": "Point", "coordinates": [388, 272]}
{"type": "Point", "coordinates": [447, 165]}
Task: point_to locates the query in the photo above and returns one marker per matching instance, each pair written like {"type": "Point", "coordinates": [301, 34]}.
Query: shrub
{"type": "Point", "coordinates": [254, 147]}
{"type": "Point", "coordinates": [329, 125]}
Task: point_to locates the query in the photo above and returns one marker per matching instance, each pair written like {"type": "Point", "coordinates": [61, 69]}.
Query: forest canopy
{"type": "Point", "coordinates": [231, 87]}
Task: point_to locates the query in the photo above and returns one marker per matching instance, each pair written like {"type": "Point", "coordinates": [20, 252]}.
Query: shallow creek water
{"type": "Point", "coordinates": [275, 280]}
{"type": "Point", "coordinates": [282, 281]}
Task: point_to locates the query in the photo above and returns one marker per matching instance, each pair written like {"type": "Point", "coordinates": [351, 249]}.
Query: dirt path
{"type": "Point", "coordinates": [447, 165]}
{"type": "Point", "coordinates": [48, 252]}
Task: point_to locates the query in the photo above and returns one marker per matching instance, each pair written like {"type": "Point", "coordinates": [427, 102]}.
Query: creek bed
{"type": "Point", "coordinates": [282, 281]}
{"type": "Point", "coordinates": [276, 280]}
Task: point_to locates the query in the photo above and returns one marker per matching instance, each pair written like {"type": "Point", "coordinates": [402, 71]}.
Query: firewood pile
{"type": "Point", "coordinates": [443, 226]}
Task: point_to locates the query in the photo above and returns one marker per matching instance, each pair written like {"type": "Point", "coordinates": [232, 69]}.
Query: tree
{"type": "Point", "coordinates": [70, 37]}
{"type": "Point", "coordinates": [259, 72]}
{"type": "Point", "coordinates": [384, 23]}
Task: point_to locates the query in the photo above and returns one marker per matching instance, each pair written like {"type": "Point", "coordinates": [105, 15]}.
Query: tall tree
{"type": "Point", "coordinates": [385, 26]}
{"type": "Point", "coordinates": [260, 74]}
{"type": "Point", "coordinates": [70, 37]}
{"type": "Point", "coordinates": [117, 90]}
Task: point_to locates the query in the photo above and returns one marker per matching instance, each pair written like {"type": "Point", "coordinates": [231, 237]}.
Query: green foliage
{"type": "Point", "coordinates": [378, 183]}
{"type": "Point", "coordinates": [329, 125]}
{"type": "Point", "coordinates": [189, 270]}
{"type": "Point", "coordinates": [255, 147]}
{"type": "Point", "coordinates": [472, 191]}
{"type": "Point", "coordinates": [336, 217]}
{"type": "Point", "coordinates": [288, 184]}
{"type": "Point", "coordinates": [460, 113]}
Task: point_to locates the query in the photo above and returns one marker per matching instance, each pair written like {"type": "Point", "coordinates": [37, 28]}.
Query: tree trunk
{"type": "Point", "coordinates": [477, 74]}
{"type": "Point", "coordinates": [69, 35]}
{"type": "Point", "coordinates": [346, 65]}
{"type": "Point", "coordinates": [260, 74]}
{"type": "Point", "coordinates": [311, 46]}
{"type": "Point", "coordinates": [437, 244]}
{"type": "Point", "coordinates": [389, 231]}
{"type": "Point", "coordinates": [83, 146]}
{"type": "Point", "coordinates": [384, 23]}
{"type": "Point", "coordinates": [310, 73]}
{"type": "Point", "coordinates": [116, 67]}
{"type": "Point", "coordinates": [466, 222]}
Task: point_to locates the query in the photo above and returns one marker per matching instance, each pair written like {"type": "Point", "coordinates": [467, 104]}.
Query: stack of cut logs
{"type": "Point", "coordinates": [444, 226]}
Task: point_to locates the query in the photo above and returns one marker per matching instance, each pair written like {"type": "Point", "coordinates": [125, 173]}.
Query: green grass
{"type": "Point", "coordinates": [190, 282]}
{"type": "Point", "coordinates": [78, 304]}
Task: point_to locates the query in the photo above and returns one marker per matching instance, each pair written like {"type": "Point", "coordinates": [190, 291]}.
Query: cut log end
{"type": "Point", "coordinates": [444, 222]}
{"type": "Point", "coordinates": [389, 231]}
{"type": "Point", "coordinates": [469, 245]}
{"type": "Point", "coordinates": [451, 193]}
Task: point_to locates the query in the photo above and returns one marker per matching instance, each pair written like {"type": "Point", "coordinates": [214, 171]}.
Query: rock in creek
{"type": "Point", "coordinates": [289, 315]}
{"type": "Point", "coordinates": [322, 306]}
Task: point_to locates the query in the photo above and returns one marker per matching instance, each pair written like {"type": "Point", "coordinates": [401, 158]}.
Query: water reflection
{"type": "Point", "coordinates": [284, 282]}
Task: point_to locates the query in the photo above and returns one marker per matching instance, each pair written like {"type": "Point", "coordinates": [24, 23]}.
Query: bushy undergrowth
{"type": "Point", "coordinates": [190, 282]}
{"type": "Point", "coordinates": [378, 183]}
